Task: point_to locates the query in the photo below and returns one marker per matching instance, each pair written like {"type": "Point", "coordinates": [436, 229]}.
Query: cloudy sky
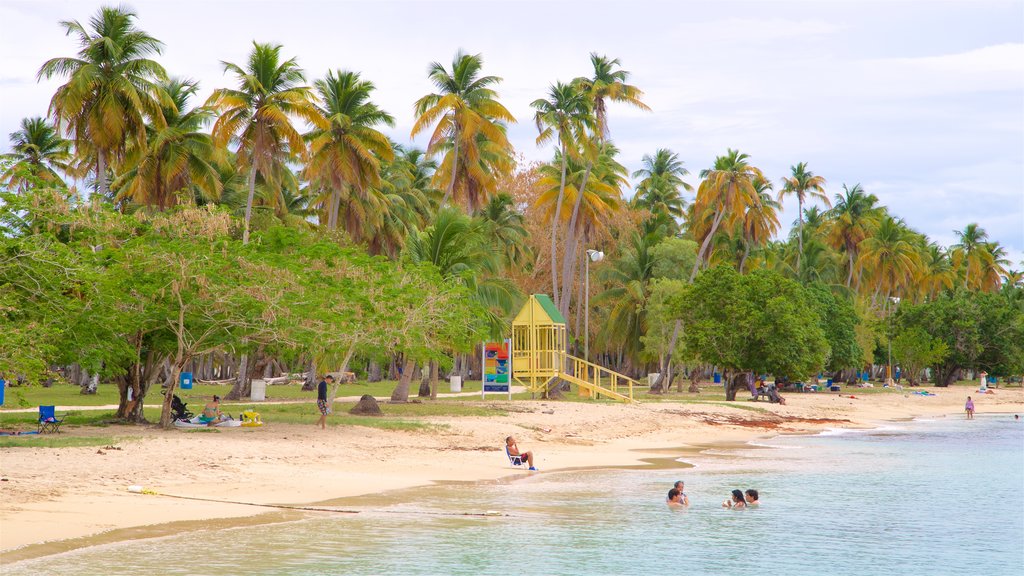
{"type": "Point", "coordinates": [922, 103]}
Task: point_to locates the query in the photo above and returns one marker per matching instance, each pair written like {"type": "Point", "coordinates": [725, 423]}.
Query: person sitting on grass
{"type": "Point", "coordinates": [513, 450]}
{"type": "Point", "coordinates": [211, 413]}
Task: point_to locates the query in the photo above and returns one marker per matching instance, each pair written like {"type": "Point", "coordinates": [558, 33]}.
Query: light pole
{"type": "Point", "coordinates": [592, 256]}
{"type": "Point", "coordinates": [888, 380]}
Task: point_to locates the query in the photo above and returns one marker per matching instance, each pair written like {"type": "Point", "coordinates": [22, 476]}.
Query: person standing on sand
{"type": "Point", "coordinates": [513, 450]}
{"type": "Point", "coordinates": [969, 407]}
{"type": "Point", "coordinates": [321, 400]}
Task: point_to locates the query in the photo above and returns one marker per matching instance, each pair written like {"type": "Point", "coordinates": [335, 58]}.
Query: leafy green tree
{"type": "Point", "coordinates": [839, 323]}
{"type": "Point", "coordinates": [914, 350]}
{"type": "Point", "coordinates": [111, 88]}
{"type": "Point", "coordinates": [673, 257]}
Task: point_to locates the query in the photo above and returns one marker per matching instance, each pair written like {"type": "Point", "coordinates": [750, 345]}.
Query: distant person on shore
{"type": "Point", "coordinates": [675, 499]}
{"type": "Point", "coordinates": [683, 498]}
{"type": "Point", "coordinates": [736, 502]}
{"type": "Point", "coordinates": [513, 450]}
{"type": "Point", "coordinates": [751, 497]}
{"type": "Point", "coordinates": [321, 400]}
{"type": "Point", "coordinates": [969, 407]}
{"type": "Point", "coordinates": [211, 413]}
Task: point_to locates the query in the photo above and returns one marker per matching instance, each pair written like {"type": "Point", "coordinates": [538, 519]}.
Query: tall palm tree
{"type": "Point", "coordinates": [564, 116]}
{"type": "Point", "coordinates": [608, 84]}
{"type": "Point", "coordinates": [971, 249]}
{"type": "Point", "coordinates": [347, 152]}
{"type": "Point", "coordinates": [258, 115]}
{"type": "Point", "coordinates": [467, 114]}
{"type": "Point", "coordinates": [177, 161]}
{"type": "Point", "coordinates": [855, 214]}
{"type": "Point", "coordinates": [802, 183]}
{"type": "Point", "coordinates": [994, 264]}
{"type": "Point", "coordinates": [504, 225]}
{"type": "Point", "coordinates": [891, 257]}
{"type": "Point", "coordinates": [936, 272]}
{"type": "Point", "coordinates": [111, 87]}
{"type": "Point", "coordinates": [725, 193]}
{"type": "Point", "coordinates": [628, 280]}
{"type": "Point", "coordinates": [660, 189]}
{"type": "Point", "coordinates": [402, 205]}
{"type": "Point", "coordinates": [761, 220]}
{"type": "Point", "coordinates": [37, 152]}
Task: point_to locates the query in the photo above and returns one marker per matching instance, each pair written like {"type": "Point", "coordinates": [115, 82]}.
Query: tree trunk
{"type": "Point", "coordinates": [667, 360]}
{"type": "Point", "coordinates": [746, 254]}
{"type": "Point", "coordinates": [401, 391]}
{"type": "Point", "coordinates": [239, 388]}
{"type": "Point", "coordinates": [373, 374]}
{"type": "Point", "coordinates": [332, 210]}
{"type": "Point", "coordinates": [800, 237]}
{"type": "Point", "coordinates": [101, 173]}
{"type": "Point", "coordinates": [248, 202]}
{"type": "Point", "coordinates": [707, 242]}
{"type": "Point", "coordinates": [455, 169]}
{"type": "Point", "coordinates": [555, 223]}
{"type": "Point", "coordinates": [424, 391]}
{"type": "Point", "coordinates": [849, 277]}
{"type": "Point", "coordinates": [433, 379]}
{"type": "Point", "coordinates": [569, 256]}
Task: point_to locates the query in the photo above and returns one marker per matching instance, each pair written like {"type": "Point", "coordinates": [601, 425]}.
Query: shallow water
{"type": "Point", "coordinates": [927, 497]}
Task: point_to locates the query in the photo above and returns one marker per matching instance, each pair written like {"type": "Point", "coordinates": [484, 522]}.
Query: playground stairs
{"type": "Point", "coordinates": [592, 380]}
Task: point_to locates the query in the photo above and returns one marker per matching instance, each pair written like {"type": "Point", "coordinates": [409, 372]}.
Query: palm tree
{"type": "Point", "coordinates": [936, 272]}
{"type": "Point", "coordinates": [607, 83]}
{"type": "Point", "coordinates": [38, 152]}
{"type": "Point", "coordinates": [660, 190]}
{"type": "Point", "coordinates": [725, 193]}
{"type": "Point", "coordinates": [258, 115]}
{"type": "Point", "coordinates": [970, 247]}
{"type": "Point", "coordinates": [402, 204]}
{"type": "Point", "coordinates": [802, 183]}
{"type": "Point", "coordinates": [468, 117]}
{"type": "Point", "coordinates": [761, 220]}
{"type": "Point", "coordinates": [110, 89]}
{"type": "Point", "coordinates": [177, 162]}
{"type": "Point", "coordinates": [891, 257]}
{"type": "Point", "coordinates": [855, 214]}
{"type": "Point", "coordinates": [504, 225]}
{"type": "Point", "coordinates": [628, 280]}
{"type": "Point", "coordinates": [994, 263]}
{"type": "Point", "coordinates": [565, 115]}
{"type": "Point", "coordinates": [348, 150]}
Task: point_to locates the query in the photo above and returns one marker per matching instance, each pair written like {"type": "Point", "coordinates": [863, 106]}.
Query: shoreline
{"type": "Point", "coordinates": [351, 463]}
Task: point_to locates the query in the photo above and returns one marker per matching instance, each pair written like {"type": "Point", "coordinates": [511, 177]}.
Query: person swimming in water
{"type": "Point", "coordinates": [736, 502]}
{"type": "Point", "coordinates": [751, 497]}
{"type": "Point", "coordinates": [683, 498]}
{"type": "Point", "coordinates": [674, 499]}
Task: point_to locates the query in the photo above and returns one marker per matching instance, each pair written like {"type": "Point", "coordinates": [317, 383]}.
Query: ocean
{"type": "Point", "coordinates": [928, 497]}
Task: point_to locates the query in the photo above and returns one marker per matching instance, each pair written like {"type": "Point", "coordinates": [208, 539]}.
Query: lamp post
{"type": "Point", "coordinates": [888, 380]}
{"type": "Point", "coordinates": [592, 256]}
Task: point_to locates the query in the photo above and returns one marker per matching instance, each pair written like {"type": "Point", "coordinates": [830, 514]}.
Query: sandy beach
{"type": "Point", "coordinates": [49, 496]}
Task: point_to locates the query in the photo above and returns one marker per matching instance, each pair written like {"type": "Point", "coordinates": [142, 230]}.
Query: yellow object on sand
{"type": "Point", "coordinates": [251, 419]}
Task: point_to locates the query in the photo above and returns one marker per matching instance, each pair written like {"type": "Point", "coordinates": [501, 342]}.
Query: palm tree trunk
{"type": "Point", "coordinates": [849, 277]}
{"type": "Point", "coordinates": [800, 236]}
{"type": "Point", "coordinates": [554, 233]}
{"type": "Point", "coordinates": [706, 243]}
{"type": "Point", "coordinates": [101, 172]}
{"type": "Point", "coordinates": [248, 203]}
{"type": "Point", "coordinates": [746, 253]}
{"type": "Point", "coordinates": [569, 257]}
{"type": "Point", "coordinates": [433, 379]}
{"type": "Point", "coordinates": [455, 171]}
{"type": "Point", "coordinates": [332, 210]}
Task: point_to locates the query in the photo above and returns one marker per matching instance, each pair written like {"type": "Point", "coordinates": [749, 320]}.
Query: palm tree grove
{"type": "Point", "coordinates": [275, 228]}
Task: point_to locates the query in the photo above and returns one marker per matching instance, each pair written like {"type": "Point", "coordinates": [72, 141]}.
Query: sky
{"type": "Point", "coordinates": [922, 103]}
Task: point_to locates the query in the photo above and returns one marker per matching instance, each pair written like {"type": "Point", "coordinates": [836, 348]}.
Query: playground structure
{"type": "Point", "coordinates": [539, 357]}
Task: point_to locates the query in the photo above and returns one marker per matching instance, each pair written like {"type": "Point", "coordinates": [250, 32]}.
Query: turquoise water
{"type": "Point", "coordinates": [927, 497]}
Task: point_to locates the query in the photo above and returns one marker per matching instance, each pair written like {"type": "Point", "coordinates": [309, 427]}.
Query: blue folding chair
{"type": "Point", "coordinates": [48, 420]}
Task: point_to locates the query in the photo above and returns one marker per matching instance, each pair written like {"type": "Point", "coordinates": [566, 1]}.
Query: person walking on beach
{"type": "Point", "coordinates": [513, 450]}
{"type": "Point", "coordinates": [683, 498]}
{"type": "Point", "coordinates": [736, 502]}
{"type": "Point", "coordinates": [969, 407]}
{"type": "Point", "coordinates": [321, 400]}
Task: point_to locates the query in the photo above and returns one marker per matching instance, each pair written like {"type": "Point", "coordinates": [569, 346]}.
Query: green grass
{"type": "Point", "coordinates": [59, 441]}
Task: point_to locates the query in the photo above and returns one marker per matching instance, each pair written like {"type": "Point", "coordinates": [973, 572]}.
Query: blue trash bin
{"type": "Point", "coordinates": [718, 378]}
{"type": "Point", "coordinates": [185, 382]}
{"type": "Point", "coordinates": [3, 385]}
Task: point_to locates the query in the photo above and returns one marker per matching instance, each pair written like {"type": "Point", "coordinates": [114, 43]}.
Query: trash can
{"type": "Point", "coordinates": [185, 382]}
{"type": "Point", "coordinates": [652, 377]}
{"type": "Point", "coordinates": [259, 391]}
{"type": "Point", "coordinates": [718, 378]}
{"type": "Point", "coordinates": [455, 383]}
{"type": "Point", "coordinates": [3, 385]}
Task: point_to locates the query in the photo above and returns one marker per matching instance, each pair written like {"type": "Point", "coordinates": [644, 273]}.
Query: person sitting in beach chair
{"type": "Point", "coordinates": [516, 457]}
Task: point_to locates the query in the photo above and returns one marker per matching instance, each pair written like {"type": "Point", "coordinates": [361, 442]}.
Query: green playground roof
{"type": "Point", "coordinates": [545, 302]}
